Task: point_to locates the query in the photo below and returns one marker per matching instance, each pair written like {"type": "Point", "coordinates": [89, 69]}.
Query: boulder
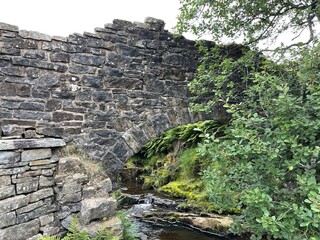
{"type": "Point", "coordinates": [97, 208]}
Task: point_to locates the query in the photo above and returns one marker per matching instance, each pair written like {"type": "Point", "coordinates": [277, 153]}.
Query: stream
{"type": "Point", "coordinates": [140, 201]}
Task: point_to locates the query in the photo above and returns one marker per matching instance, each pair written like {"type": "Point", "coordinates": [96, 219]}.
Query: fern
{"type": "Point", "coordinates": [189, 135]}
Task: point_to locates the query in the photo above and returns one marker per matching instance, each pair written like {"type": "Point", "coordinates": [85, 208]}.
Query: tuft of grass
{"type": "Point", "coordinates": [93, 169]}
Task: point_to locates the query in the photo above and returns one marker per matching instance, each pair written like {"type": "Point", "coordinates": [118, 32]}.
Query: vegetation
{"type": "Point", "coordinates": [74, 233]}
{"type": "Point", "coordinates": [177, 171]}
{"type": "Point", "coordinates": [267, 164]}
{"type": "Point", "coordinates": [251, 21]}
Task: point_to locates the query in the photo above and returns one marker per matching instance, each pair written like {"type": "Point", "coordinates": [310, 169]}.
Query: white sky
{"type": "Point", "coordinates": [64, 17]}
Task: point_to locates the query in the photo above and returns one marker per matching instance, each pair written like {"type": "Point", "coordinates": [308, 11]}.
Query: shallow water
{"type": "Point", "coordinates": [173, 232]}
{"type": "Point", "coordinates": [155, 231]}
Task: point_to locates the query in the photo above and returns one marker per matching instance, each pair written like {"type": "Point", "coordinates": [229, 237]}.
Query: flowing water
{"type": "Point", "coordinates": [163, 231]}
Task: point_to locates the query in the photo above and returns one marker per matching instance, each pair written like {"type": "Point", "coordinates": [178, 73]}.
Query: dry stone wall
{"type": "Point", "coordinates": [27, 201]}
{"type": "Point", "coordinates": [41, 191]}
{"type": "Point", "coordinates": [109, 91]}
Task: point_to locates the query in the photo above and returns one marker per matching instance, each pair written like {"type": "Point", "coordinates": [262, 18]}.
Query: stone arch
{"type": "Point", "coordinates": [109, 91]}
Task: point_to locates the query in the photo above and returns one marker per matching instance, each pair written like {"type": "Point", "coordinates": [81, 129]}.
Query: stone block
{"type": "Point", "coordinates": [88, 60]}
{"type": "Point", "coordinates": [8, 157]}
{"type": "Point", "coordinates": [46, 219]}
{"type": "Point", "coordinates": [88, 192]}
{"type": "Point", "coordinates": [27, 186]}
{"type": "Point", "coordinates": [9, 27]}
{"type": "Point", "coordinates": [35, 154]}
{"type": "Point", "coordinates": [65, 116]}
{"type": "Point", "coordinates": [48, 166]}
{"type": "Point", "coordinates": [7, 191]}
{"type": "Point", "coordinates": [14, 89]}
{"type": "Point", "coordinates": [35, 54]}
{"type": "Point", "coordinates": [13, 203]}
{"type": "Point", "coordinates": [46, 181]}
{"type": "Point", "coordinates": [60, 57]}
{"type": "Point", "coordinates": [47, 172]}
{"type": "Point", "coordinates": [5, 180]}
{"type": "Point", "coordinates": [69, 198]}
{"type": "Point", "coordinates": [40, 162]}
{"type": "Point", "coordinates": [34, 35]}
{"type": "Point", "coordinates": [105, 185]}
{"type": "Point", "coordinates": [7, 219]}
{"type": "Point", "coordinates": [30, 174]}
{"type": "Point", "coordinates": [41, 194]}
{"type": "Point", "coordinates": [30, 207]}
{"type": "Point", "coordinates": [97, 208]}
{"type": "Point", "coordinates": [22, 231]}
{"type": "Point", "coordinates": [38, 64]}
{"type": "Point", "coordinates": [13, 171]}
{"type": "Point", "coordinates": [31, 143]}
{"type": "Point", "coordinates": [36, 213]}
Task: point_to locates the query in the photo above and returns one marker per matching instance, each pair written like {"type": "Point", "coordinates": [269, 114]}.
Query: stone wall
{"type": "Point", "coordinates": [27, 168]}
{"type": "Point", "coordinates": [109, 91]}
{"type": "Point", "coordinates": [41, 192]}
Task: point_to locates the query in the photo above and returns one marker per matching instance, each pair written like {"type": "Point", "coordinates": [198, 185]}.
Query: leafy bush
{"type": "Point", "coordinates": [268, 162]}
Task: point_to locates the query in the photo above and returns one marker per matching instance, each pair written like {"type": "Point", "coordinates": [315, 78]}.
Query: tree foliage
{"type": "Point", "coordinates": [267, 164]}
{"type": "Point", "coordinates": [269, 158]}
{"type": "Point", "coordinates": [251, 20]}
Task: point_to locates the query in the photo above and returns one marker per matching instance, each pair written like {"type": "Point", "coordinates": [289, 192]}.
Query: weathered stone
{"type": "Point", "coordinates": [31, 115]}
{"type": "Point", "coordinates": [112, 224]}
{"type": "Point", "coordinates": [30, 207]}
{"type": "Point", "coordinates": [13, 165]}
{"type": "Point", "coordinates": [36, 213]}
{"type": "Point", "coordinates": [40, 162]}
{"type": "Point", "coordinates": [47, 172]}
{"type": "Point", "coordinates": [52, 166]}
{"type": "Point", "coordinates": [13, 171]}
{"type": "Point", "coordinates": [31, 143]}
{"type": "Point", "coordinates": [8, 27]}
{"type": "Point", "coordinates": [7, 157]}
{"type": "Point", "coordinates": [46, 181]}
{"type": "Point", "coordinates": [6, 192]}
{"type": "Point", "coordinates": [80, 69]}
{"type": "Point", "coordinates": [13, 203]}
{"type": "Point", "coordinates": [30, 134]}
{"type": "Point", "coordinates": [7, 219]}
{"type": "Point", "coordinates": [5, 180]}
{"type": "Point", "coordinates": [41, 194]}
{"type": "Point", "coordinates": [35, 54]}
{"type": "Point", "coordinates": [87, 60]}
{"type": "Point", "coordinates": [65, 116]}
{"type": "Point", "coordinates": [53, 104]}
{"type": "Point", "coordinates": [51, 229]}
{"type": "Point", "coordinates": [27, 186]}
{"type": "Point", "coordinates": [88, 192]}
{"type": "Point", "coordinates": [13, 89]}
{"type": "Point", "coordinates": [105, 185]}
{"type": "Point", "coordinates": [92, 81]}
{"type": "Point", "coordinates": [38, 64]}
{"type": "Point", "coordinates": [36, 237]}
{"type": "Point", "coordinates": [70, 198]}
{"type": "Point", "coordinates": [60, 57]}
{"type": "Point", "coordinates": [155, 24]}
{"type": "Point", "coordinates": [97, 208]}
{"type": "Point", "coordinates": [34, 35]}
{"type": "Point", "coordinates": [46, 219]}
{"type": "Point", "coordinates": [29, 174]}
{"type": "Point", "coordinates": [13, 71]}
{"type": "Point", "coordinates": [35, 154]}
{"type": "Point", "coordinates": [21, 231]}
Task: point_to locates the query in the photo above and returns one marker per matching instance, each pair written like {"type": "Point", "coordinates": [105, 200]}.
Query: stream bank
{"type": "Point", "coordinates": [158, 216]}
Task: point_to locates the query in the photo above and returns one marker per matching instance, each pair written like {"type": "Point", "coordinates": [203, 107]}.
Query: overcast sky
{"type": "Point", "coordinates": [64, 17]}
